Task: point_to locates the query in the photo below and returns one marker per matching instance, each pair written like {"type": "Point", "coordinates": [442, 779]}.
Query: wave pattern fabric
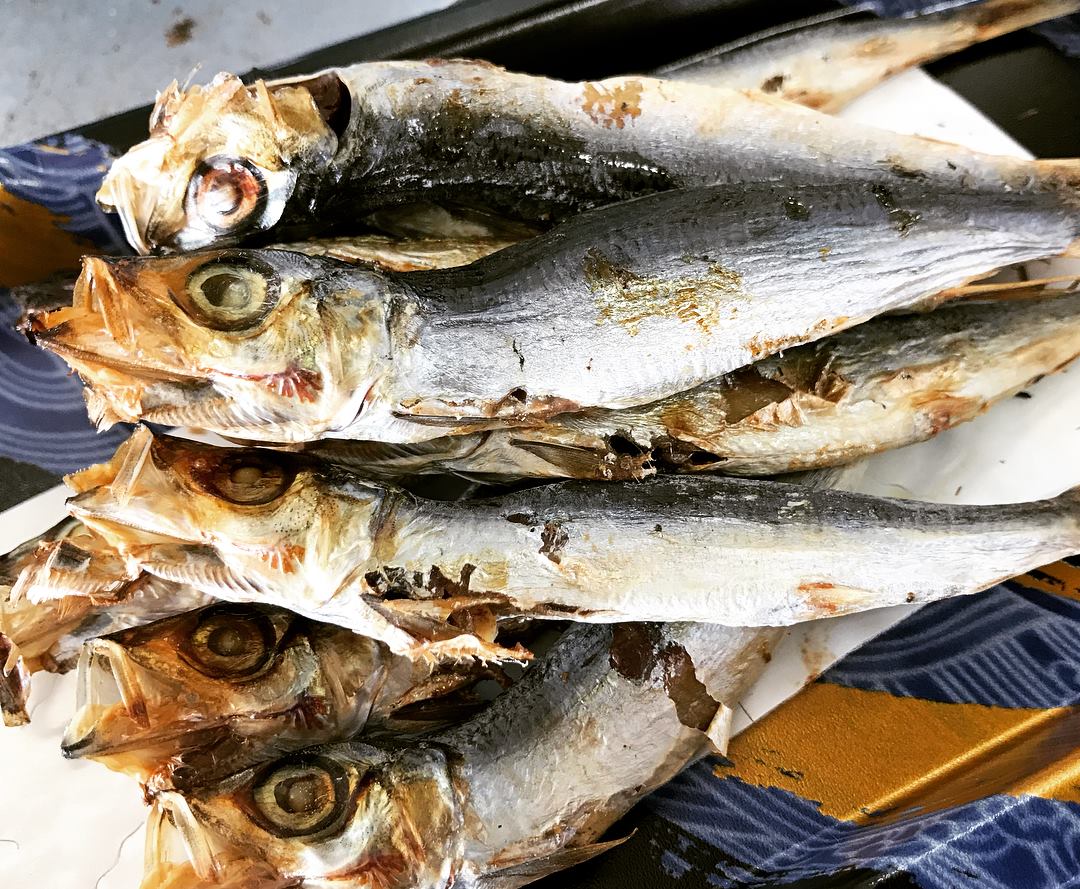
{"type": "Point", "coordinates": [48, 218]}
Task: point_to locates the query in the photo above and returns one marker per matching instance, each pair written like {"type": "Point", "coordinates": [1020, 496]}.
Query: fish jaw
{"type": "Point", "coordinates": [222, 161]}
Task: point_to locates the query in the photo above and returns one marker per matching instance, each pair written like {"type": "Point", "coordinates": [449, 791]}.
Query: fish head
{"type": "Point", "coordinates": [219, 688]}
{"type": "Point", "coordinates": [243, 524]}
{"type": "Point", "coordinates": [264, 344]}
{"type": "Point", "coordinates": [221, 162]}
{"type": "Point", "coordinates": [350, 816]}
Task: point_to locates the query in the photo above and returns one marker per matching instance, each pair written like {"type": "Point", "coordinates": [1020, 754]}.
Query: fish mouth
{"type": "Point", "coordinates": [122, 708]}
{"type": "Point", "coordinates": [110, 700]}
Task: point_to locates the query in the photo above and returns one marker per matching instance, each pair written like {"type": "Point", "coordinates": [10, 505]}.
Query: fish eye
{"type": "Point", "coordinates": [227, 194]}
{"type": "Point", "coordinates": [300, 796]}
{"type": "Point", "coordinates": [249, 479]}
{"type": "Point", "coordinates": [230, 643]}
{"type": "Point", "coordinates": [230, 293]}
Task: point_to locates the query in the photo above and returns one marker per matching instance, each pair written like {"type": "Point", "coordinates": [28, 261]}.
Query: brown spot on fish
{"type": "Point", "coordinates": [639, 653]}
{"type": "Point", "coordinates": [445, 588]}
{"type": "Point", "coordinates": [628, 299]}
{"type": "Point", "coordinates": [796, 209]}
{"type": "Point", "coordinates": [773, 84]}
{"type": "Point", "coordinates": [942, 411]}
{"type": "Point", "coordinates": [612, 107]}
{"type": "Point", "coordinates": [552, 539]}
{"type": "Point", "coordinates": [876, 46]}
{"type": "Point", "coordinates": [522, 518]}
{"type": "Point", "coordinates": [180, 32]}
{"type": "Point", "coordinates": [903, 220]}
{"type": "Point", "coordinates": [815, 594]}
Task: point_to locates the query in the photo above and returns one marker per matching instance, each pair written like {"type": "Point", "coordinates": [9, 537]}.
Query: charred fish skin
{"type": "Point", "coordinates": [438, 813]}
{"type": "Point", "coordinates": [262, 526]}
{"type": "Point", "coordinates": [212, 691]}
{"type": "Point", "coordinates": [890, 382]}
{"type": "Point", "coordinates": [681, 286]}
{"type": "Point", "coordinates": [225, 161]}
{"type": "Point", "coordinates": [825, 65]}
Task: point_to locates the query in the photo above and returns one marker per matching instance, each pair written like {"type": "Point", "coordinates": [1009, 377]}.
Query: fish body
{"type": "Point", "coordinates": [523, 790]}
{"type": "Point", "coordinates": [213, 690]}
{"type": "Point", "coordinates": [890, 382]}
{"type": "Point", "coordinates": [225, 161]}
{"type": "Point", "coordinates": [263, 526]}
{"type": "Point", "coordinates": [620, 307]}
{"type": "Point", "coordinates": [827, 64]}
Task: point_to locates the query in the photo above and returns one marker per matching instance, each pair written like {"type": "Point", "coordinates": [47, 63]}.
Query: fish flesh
{"type": "Point", "coordinates": [832, 60]}
{"type": "Point", "coordinates": [258, 525]}
{"type": "Point", "coordinates": [214, 690]}
{"type": "Point", "coordinates": [890, 382]}
{"type": "Point", "coordinates": [226, 161]}
{"type": "Point", "coordinates": [60, 589]}
{"type": "Point", "coordinates": [619, 307]}
{"type": "Point", "coordinates": [523, 790]}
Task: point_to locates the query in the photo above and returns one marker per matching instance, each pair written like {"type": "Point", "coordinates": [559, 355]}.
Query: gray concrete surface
{"type": "Point", "coordinates": [67, 62]}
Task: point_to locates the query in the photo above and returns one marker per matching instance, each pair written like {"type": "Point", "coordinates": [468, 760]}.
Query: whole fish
{"type": "Point", "coordinates": [523, 790]}
{"type": "Point", "coordinates": [619, 307]}
{"type": "Point", "coordinates": [212, 691]}
{"type": "Point", "coordinates": [227, 161]}
{"type": "Point", "coordinates": [257, 525]}
{"type": "Point", "coordinates": [60, 589]}
{"type": "Point", "coordinates": [830, 62]}
{"type": "Point", "coordinates": [890, 382]}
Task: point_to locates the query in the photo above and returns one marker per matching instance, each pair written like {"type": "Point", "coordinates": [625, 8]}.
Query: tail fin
{"type": "Point", "coordinates": [996, 17]}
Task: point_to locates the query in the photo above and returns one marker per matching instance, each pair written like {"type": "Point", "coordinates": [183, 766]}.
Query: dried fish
{"type": "Point", "coordinates": [887, 383]}
{"type": "Point", "coordinates": [619, 307]}
{"type": "Point", "coordinates": [227, 161]}
{"type": "Point", "coordinates": [215, 690]}
{"type": "Point", "coordinates": [827, 64]}
{"type": "Point", "coordinates": [60, 589]}
{"type": "Point", "coordinates": [523, 790]}
{"type": "Point", "coordinates": [256, 525]}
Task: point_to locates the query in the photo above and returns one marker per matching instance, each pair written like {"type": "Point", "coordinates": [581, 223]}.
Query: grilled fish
{"type": "Point", "coordinates": [257, 525]}
{"type": "Point", "coordinates": [60, 589]}
{"type": "Point", "coordinates": [212, 691]}
{"type": "Point", "coordinates": [887, 383]}
{"type": "Point", "coordinates": [227, 161]}
{"type": "Point", "coordinates": [523, 790]}
{"type": "Point", "coordinates": [620, 307]}
{"type": "Point", "coordinates": [827, 64]}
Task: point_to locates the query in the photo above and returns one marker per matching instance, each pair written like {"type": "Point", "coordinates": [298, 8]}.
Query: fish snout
{"type": "Point", "coordinates": [111, 703]}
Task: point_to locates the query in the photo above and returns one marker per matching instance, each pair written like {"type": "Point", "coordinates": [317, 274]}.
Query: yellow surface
{"type": "Point", "coordinates": [32, 243]}
{"type": "Point", "coordinates": [1060, 578]}
{"type": "Point", "coordinates": [863, 754]}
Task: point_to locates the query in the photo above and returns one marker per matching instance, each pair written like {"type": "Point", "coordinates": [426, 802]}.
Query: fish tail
{"type": "Point", "coordinates": [996, 17]}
